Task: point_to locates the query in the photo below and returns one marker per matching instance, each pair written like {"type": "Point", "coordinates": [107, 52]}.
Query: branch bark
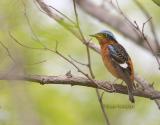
{"type": "Point", "coordinates": [81, 81]}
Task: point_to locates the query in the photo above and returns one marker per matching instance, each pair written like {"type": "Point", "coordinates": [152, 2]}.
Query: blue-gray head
{"type": "Point", "coordinates": [105, 34]}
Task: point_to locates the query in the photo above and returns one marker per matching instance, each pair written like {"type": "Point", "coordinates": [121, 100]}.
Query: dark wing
{"type": "Point", "coordinates": [118, 53]}
{"type": "Point", "coordinates": [119, 57]}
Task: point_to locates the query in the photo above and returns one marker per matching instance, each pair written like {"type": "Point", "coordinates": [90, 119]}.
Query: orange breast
{"type": "Point", "coordinates": [107, 61]}
{"type": "Point", "coordinates": [132, 70]}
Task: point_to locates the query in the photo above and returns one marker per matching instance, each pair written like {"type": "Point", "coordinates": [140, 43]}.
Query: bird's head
{"type": "Point", "coordinates": [104, 36]}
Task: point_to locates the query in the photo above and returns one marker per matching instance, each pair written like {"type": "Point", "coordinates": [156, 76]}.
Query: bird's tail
{"type": "Point", "coordinates": [131, 97]}
{"type": "Point", "coordinates": [130, 85]}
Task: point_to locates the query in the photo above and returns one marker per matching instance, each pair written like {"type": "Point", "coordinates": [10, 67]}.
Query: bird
{"type": "Point", "coordinates": [116, 59]}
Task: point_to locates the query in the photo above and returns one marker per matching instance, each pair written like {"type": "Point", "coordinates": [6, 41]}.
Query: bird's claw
{"type": "Point", "coordinates": [113, 88]}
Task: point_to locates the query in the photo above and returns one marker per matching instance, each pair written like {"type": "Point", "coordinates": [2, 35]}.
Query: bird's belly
{"type": "Point", "coordinates": [107, 62]}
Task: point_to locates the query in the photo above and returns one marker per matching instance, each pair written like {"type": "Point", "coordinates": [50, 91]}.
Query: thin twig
{"type": "Point", "coordinates": [39, 8]}
{"type": "Point", "coordinates": [65, 16]}
{"type": "Point", "coordinates": [89, 62]}
{"type": "Point", "coordinates": [144, 37]}
{"type": "Point", "coordinates": [148, 20]}
{"type": "Point", "coordinates": [89, 65]}
{"type": "Point", "coordinates": [8, 52]}
{"type": "Point", "coordinates": [126, 18]}
{"type": "Point", "coordinates": [30, 25]}
{"type": "Point", "coordinates": [77, 22]}
{"type": "Point", "coordinates": [36, 63]}
{"type": "Point", "coordinates": [146, 13]}
{"type": "Point", "coordinates": [20, 43]}
{"type": "Point", "coordinates": [83, 64]}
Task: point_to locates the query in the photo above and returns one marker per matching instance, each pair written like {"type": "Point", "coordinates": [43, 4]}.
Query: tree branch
{"type": "Point", "coordinates": [81, 81]}
{"type": "Point", "coordinates": [146, 13]}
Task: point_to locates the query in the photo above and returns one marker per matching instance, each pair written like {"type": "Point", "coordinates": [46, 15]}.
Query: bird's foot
{"type": "Point", "coordinates": [115, 80]}
{"type": "Point", "coordinates": [121, 82]}
{"type": "Point", "coordinates": [110, 87]}
{"type": "Point", "coordinates": [113, 88]}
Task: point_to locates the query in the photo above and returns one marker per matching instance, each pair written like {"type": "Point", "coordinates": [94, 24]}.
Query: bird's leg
{"type": "Point", "coordinates": [112, 86]}
{"type": "Point", "coordinates": [115, 80]}
{"type": "Point", "coordinates": [122, 82]}
{"type": "Point", "coordinates": [112, 89]}
{"type": "Point", "coordinates": [137, 85]}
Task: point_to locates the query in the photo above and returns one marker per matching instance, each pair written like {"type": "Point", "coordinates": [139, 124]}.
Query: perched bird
{"type": "Point", "coordinates": [116, 59]}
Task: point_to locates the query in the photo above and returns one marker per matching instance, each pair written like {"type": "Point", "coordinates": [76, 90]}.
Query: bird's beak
{"type": "Point", "coordinates": [94, 35]}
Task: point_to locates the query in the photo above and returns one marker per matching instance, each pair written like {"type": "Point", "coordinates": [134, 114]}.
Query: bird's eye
{"type": "Point", "coordinates": [110, 36]}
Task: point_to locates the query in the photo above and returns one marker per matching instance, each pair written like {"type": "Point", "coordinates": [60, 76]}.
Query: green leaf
{"type": "Point", "coordinates": [156, 2]}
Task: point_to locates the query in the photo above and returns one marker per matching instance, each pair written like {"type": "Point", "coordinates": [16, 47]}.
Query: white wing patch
{"type": "Point", "coordinates": [124, 65]}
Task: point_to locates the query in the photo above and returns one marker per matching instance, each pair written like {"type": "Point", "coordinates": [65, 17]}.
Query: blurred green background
{"type": "Point", "coordinates": [26, 103]}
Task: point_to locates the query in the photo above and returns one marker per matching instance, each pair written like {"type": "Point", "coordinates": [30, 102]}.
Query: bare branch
{"type": "Point", "coordinates": [30, 26]}
{"type": "Point", "coordinates": [20, 43]}
{"type": "Point", "coordinates": [65, 16]}
{"type": "Point", "coordinates": [80, 81]}
{"type": "Point", "coordinates": [150, 23]}
{"type": "Point", "coordinates": [36, 63]}
{"type": "Point", "coordinates": [83, 64]}
{"type": "Point", "coordinates": [148, 20]}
